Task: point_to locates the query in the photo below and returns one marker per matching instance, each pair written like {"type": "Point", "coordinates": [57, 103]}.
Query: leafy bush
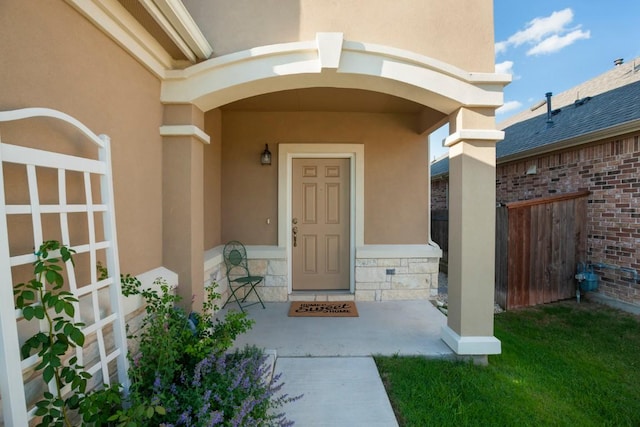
{"type": "Point", "coordinates": [173, 341]}
{"type": "Point", "coordinates": [183, 366]}
{"type": "Point", "coordinates": [226, 390]}
{"type": "Point", "coordinates": [181, 376]}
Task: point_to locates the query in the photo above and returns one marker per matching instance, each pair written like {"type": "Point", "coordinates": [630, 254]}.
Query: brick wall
{"type": "Point", "coordinates": [611, 171]}
{"type": "Point", "coordinates": [440, 194]}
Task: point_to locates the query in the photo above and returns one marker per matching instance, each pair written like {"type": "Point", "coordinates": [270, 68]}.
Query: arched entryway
{"type": "Point", "coordinates": [330, 63]}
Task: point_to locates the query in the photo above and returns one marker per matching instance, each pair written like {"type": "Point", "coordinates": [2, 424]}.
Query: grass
{"type": "Point", "coordinates": [562, 364]}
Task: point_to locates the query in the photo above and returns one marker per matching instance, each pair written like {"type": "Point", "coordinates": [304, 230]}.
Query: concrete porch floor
{"type": "Point", "coordinates": [328, 360]}
{"type": "Point", "coordinates": [382, 328]}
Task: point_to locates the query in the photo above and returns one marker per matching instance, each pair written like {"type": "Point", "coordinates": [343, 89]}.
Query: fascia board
{"type": "Point", "coordinates": [167, 27]}
{"type": "Point", "coordinates": [176, 12]}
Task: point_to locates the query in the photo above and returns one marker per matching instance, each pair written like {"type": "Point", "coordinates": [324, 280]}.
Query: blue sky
{"type": "Point", "coordinates": [553, 45]}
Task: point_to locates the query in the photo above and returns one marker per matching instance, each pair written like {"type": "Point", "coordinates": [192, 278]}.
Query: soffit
{"type": "Point", "coordinates": [137, 10]}
{"type": "Point", "coordinates": [327, 99]}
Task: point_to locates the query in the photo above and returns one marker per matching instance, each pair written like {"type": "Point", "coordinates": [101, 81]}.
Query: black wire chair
{"type": "Point", "coordinates": [241, 282]}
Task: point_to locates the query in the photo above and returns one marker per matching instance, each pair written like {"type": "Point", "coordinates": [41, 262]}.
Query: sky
{"type": "Point", "coordinates": [554, 45]}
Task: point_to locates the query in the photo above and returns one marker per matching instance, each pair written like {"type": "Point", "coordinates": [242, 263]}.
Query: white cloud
{"type": "Point", "coordinates": [501, 47]}
{"type": "Point", "coordinates": [505, 67]}
{"type": "Point", "coordinates": [539, 28]}
{"type": "Point", "coordinates": [546, 34]}
{"type": "Point", "coordinates": [509, 106]}
{"type": "Point", "coordinates": [555, 43]}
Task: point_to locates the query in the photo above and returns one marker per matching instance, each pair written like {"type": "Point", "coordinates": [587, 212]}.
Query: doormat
{"type": "Point", "coordinates": [323, 309]}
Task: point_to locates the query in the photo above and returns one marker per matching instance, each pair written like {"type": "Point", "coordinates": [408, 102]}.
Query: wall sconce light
{"type": "Point", "coordinates": [265, 158]}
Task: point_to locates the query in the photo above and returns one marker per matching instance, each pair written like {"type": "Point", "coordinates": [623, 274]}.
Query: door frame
{"type": "Point", "coordinates": [355, 153]}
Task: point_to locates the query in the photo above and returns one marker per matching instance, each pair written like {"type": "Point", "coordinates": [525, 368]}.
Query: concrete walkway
{"type": "Point", "coordinates": [328, 360]}
{"type": "Point", "coordinates": [337, 391]}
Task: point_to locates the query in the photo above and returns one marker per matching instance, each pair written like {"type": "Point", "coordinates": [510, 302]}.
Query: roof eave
{"type": "Point", "coordinates": [619, 129]}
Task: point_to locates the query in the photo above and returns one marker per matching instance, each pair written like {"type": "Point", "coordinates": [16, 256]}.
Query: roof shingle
{"type": "Point", "coordinates": [579, 119]}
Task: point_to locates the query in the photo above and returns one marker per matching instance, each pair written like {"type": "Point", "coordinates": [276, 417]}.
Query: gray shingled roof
{"type": "Point", "coordinates": [441, 167]}
{"type": "Point", "coordinates": [586, 116]}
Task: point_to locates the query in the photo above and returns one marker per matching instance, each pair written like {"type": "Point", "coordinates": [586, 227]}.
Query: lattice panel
{"type": "Point", "coordinates": [46, 195]}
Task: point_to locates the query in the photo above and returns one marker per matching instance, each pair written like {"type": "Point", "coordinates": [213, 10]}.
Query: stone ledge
{"type": "Point", "coordinates": [398, 251]}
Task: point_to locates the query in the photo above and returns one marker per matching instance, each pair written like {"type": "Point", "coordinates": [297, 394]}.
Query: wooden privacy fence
{"type": "Point", "coordinates": [440, 234]}
{"type": "Point", "coordinates": [538, 245]}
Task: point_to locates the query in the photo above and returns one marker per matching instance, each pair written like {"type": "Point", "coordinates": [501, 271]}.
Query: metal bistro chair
{"type": "Point", "coordinates": [240, 279]}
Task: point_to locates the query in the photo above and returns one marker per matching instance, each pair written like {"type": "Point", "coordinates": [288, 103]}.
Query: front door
{"type": "Point", "coordinates": [320, 224]}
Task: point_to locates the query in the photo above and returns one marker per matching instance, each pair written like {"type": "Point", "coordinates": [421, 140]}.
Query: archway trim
{"type": "Point", "coordinates": [333, 62]}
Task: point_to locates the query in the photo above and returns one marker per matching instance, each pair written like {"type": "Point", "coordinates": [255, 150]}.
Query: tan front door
{"type": "Point", "coordinates": [320, 224]}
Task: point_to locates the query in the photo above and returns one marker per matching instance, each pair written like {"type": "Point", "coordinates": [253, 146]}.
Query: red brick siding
{"type": "Point", "coordinates": [439, 194]}
{"type": "Point", "coordinates": [611, 171]}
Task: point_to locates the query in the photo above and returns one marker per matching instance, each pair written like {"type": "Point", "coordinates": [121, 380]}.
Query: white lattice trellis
{"type": "Point", "coordinates": [101, 297]}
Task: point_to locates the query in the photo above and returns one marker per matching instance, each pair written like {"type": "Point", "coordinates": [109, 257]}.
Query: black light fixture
{"type": "Point", "coordinates": [265, 158]}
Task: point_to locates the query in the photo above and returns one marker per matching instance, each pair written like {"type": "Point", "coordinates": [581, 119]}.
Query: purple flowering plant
{"type": "Point", "coordinates": [184, 366]}
{"type": "Point", "coordinates": [231, 389]}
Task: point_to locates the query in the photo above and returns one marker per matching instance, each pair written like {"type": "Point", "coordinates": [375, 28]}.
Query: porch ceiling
{"type": "Point", "coordinates": [329, 99]}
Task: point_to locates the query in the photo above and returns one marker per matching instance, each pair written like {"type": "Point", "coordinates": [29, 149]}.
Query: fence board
{"type": "Point", "coordinates": [536, 276]}
{"type": "Point", "coordinates": [502, 223]}
{"type": "Point", "coordinates": [440, 234]}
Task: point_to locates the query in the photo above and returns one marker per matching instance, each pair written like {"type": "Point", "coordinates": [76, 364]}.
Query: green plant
{"type": "Point", "coordinates": [44, 299]}
{"type": "Point", "coordinates": [180, 375]}
{"type": "Point", "coordinates": [182, 362]}
{"type": "Point", "coordinates": [172, 341]}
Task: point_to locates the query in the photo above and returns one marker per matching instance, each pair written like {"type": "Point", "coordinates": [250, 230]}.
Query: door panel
{"type": "Point", "coordinates": [309, 203]}
{"type": "Point", "coordinates": [320, 201]}
{"type": "Point", "coordinates": [309, 254]}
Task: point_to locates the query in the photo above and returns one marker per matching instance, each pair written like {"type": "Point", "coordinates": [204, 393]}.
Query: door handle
{"type": "Point", "coordinates": [294, 231]}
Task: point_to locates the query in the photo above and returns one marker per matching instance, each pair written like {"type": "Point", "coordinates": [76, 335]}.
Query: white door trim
{"type": "Point", "coordinates": [355, 153]}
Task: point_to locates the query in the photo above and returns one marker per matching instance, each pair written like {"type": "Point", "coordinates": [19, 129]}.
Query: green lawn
{"type": "Point", "coordinates": [562, 364]}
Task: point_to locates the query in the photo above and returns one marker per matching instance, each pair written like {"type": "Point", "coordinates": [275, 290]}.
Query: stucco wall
{"type": "Point", "coordinates": [609, 170]}
{"type": "Point", "coordinates": [417, 26]}
{"type": "Point", "coordinates": [395, 171]}
{"type": "Point", "coordinates": [212, 180]}
{"type": "Point", "coordinates": [53, 57]}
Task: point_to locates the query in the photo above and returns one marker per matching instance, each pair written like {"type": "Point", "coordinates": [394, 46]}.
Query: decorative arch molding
{"type": "Point", "coordinates": [331, 61]}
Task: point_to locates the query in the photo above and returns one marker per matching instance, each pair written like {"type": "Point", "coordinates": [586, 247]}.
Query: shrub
{"type": "Point", "coordinates": [182, 366]}
{"type": "Point", "coordinates": [227, 390]}
{"type": "Point", "coordinates": [181, 376]}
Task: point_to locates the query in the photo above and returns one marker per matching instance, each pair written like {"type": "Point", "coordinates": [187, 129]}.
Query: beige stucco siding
{"type": "Point", "coordinates": [212, 180]}
{"type": "Point", "coordinates": [417, 26]}
{"type": "Point", "coordinates": [53, 57]}
{"type": "Point", "coordinates": [395, 171]}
